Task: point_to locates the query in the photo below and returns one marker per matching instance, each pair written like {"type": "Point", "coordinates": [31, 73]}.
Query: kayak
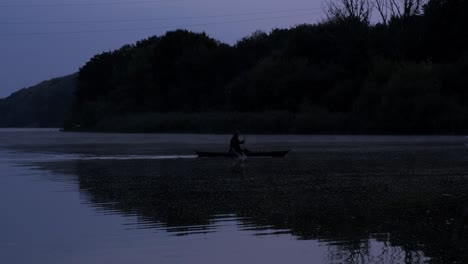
{"type": "Point", "coordinates": [281, 153]}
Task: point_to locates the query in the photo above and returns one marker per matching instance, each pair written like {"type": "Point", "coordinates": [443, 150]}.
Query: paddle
{"type": "Point", "coordinates": [244, 156]}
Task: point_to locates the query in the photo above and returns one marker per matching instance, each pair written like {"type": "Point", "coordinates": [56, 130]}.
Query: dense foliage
{"type": "Point", "coordinates": [44, 105]}
{"type": "Point", "coordinates": [407, 74]}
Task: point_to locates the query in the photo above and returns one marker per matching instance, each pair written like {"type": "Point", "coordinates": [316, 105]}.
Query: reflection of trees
{"type": "Point", "coordinates": [418, 203]}
{"type": "Point", "coordinates": [362, 254]}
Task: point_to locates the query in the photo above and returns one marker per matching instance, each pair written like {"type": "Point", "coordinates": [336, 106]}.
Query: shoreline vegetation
{"type": "Point", "coordinates": [279, 123]}
{"type": "Point", "coordinates": [406, 74]}
{"type": "Point", "coordinates": [213, 123]}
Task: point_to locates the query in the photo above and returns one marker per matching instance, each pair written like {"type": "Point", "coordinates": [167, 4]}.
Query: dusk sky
{"type": "Point", "coordinates": [43, 39]}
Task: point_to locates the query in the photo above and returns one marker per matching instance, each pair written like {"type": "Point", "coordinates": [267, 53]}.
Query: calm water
{"type": "Point", "coordinates": [115, 198]}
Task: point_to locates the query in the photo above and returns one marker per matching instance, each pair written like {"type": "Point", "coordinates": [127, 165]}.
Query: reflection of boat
{"type": "Point", "coordinates": [280, 153]}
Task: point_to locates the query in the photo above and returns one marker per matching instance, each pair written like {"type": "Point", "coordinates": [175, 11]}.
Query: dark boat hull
{"type": "Point", "coordinates": [248, 154]}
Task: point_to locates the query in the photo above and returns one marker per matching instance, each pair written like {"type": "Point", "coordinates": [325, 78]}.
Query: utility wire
{"type": "Point", "coordinates": [87, 3]}
{"type": "Point", "coordinates": [152, 19]}
{"type": "Point", "coordinates": [151, 28]}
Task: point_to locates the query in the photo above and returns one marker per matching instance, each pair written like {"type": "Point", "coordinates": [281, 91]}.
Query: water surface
{"type": "Point", "coordinates": [121, 198]}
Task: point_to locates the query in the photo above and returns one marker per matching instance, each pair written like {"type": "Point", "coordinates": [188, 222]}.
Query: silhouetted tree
{"type": "Point", "coordinates": [405, 8]}
{"type": "Point", "coordinates": [344, 73]}
{"type": "Point", "coordinates": [344, 10]}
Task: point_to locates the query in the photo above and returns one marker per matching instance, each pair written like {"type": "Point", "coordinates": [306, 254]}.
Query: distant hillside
{"type": "Point", "coordinates": [44, 105]}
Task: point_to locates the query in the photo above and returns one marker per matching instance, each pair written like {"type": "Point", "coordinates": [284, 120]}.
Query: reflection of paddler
{"type": "Point", "coordinates": [235, 145]}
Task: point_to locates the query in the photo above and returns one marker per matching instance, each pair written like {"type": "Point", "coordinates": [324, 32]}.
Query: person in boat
{"type": "Point", "coordinates": [235, 145]}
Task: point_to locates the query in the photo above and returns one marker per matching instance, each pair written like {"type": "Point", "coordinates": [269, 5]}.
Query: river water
{"type": "Point", "coordinates": [146, 198]}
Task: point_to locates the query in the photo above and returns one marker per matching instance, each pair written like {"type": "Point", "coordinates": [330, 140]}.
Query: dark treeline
{"type": "Point", "coordinates": [407, 74]}
{"type": "Point", "coordinates": [44, 105]}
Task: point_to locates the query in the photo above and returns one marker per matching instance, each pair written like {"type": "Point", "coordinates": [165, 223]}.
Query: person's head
{"type": "Point", "coordinates": [236, 133]}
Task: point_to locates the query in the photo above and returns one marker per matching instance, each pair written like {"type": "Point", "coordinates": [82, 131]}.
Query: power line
{"type": "Point", "coordinates": [150, 28]}
{"type": "Point", "coordinates": [87, 3]}
{"type": "Point", "coordinates": [152, 19]}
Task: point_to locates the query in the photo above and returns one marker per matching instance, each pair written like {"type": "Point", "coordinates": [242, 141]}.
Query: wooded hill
{"type": "Point", "coordinates": [406, 74]}
{"type": "Point", "coordinates": [44, 105]}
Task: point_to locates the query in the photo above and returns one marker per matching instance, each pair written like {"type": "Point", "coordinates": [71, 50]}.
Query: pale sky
{"type": "Point", "coordinates": [43, 39]}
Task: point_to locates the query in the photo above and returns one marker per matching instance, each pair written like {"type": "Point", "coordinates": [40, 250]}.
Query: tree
{"type": "Point", "coordinates": [344, 10]}
{"type": "Point", "coordinates": [399, 9]}
{"type": "Point", "coordinates": [405, 8]}
{"type": "Point", "coordinates": [383, 9]}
